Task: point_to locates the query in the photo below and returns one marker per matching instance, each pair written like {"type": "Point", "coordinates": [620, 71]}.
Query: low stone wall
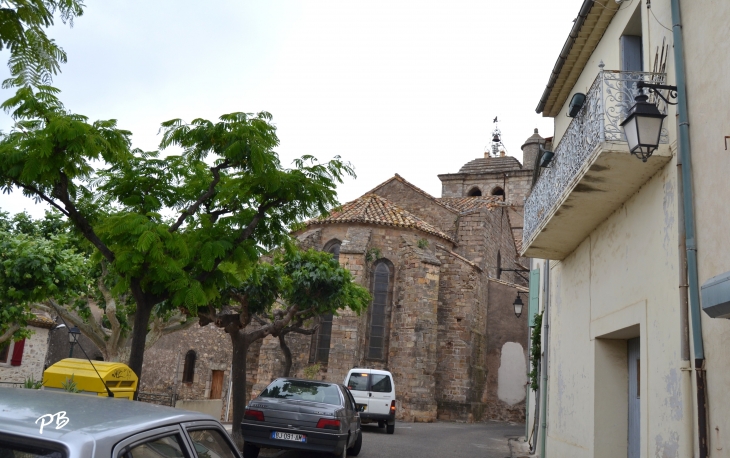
{"type": "Point", "coordinates": [211, 407]}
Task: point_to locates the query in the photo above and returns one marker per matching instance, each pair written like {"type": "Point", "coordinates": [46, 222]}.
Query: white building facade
{"type": "Point", "coordinates": [632, 365]}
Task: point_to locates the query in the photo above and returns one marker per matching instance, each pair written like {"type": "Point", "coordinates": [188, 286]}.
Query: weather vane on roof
{"type": "Point", "coordinates": [497, 140]}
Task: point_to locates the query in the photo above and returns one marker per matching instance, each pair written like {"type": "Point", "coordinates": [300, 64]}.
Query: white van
{"type": "Point", "coordinates": [374, 393]}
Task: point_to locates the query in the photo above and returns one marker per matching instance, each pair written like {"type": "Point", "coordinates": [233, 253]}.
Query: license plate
{"type": "Point", "coordinates": [289, 436]}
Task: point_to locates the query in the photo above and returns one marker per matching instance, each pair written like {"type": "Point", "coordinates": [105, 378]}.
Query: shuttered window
{"type": "Point", "coordinates": [534, 304]}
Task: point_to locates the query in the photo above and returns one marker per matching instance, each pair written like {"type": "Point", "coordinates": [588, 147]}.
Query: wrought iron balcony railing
{"type": "Point", "coordinates": [608, 101]}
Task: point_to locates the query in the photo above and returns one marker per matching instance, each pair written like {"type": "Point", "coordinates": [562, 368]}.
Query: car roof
{"type": "Point", "coordinates": [292, 379]}
{"type": "Point", "coordinates": [371, 371]}
{"type": "Point", "coordinates": [90, 418]}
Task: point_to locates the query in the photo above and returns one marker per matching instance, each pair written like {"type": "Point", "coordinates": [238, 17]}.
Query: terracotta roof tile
{"type": "Point", "coordinates": [373, 209]}
{"type": "Point", "coordinates": [41, 321]}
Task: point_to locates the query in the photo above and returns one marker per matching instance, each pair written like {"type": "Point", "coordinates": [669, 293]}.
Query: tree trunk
{"type": "Point", "coordinates": [238, 383]}
{"type": "Point", "coordinates": [139, 333]}
{"type": "Point", "coordinates": [287, 354]}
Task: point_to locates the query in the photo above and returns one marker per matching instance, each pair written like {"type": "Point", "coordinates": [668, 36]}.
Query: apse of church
{"type": "Point", "coordinates": [443, 273]}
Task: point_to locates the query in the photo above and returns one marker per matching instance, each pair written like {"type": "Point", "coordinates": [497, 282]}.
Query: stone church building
{"type": "Point", "coordinates": [443, 272]}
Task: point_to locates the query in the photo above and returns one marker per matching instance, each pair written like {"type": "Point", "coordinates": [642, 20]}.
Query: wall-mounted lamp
{"type": "Point", "coordinates": [576, 103]}
{"type": "Point", "coordinates": [546, 157]}
{"type": "Point", "coordinates": [643, 125]}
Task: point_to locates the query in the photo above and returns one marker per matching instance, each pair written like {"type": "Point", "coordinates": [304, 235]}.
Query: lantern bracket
{"type": "Point", "coordinates": [655, 88]}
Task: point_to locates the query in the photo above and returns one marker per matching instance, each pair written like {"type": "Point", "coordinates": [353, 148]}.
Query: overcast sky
{"type": "Point", "coordinates": [408, 87]}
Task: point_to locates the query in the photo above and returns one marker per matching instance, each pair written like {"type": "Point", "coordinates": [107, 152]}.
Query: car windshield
{"type": "Point", "coordinates": [302, 390]}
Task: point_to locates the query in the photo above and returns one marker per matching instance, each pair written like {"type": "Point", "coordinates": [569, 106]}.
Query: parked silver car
{"type": "Point", "coordinates": [64, 425]}
{"type": "Point", "coordinates": [293, 414]}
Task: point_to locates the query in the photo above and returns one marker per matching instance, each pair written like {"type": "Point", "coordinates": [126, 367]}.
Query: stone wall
{"type": "Point", "coordinates": [271, 359]}
{"type": "Point", "coordinates": [461, 323]}
{"type": "Point", "coordinates": [162, 371]}
{"type": "Point", "coordinates": [414, 332]}
{"type": "Point", "coordinates": [32, 363]}
{"type": "Point", "coordinates": [506, 377]}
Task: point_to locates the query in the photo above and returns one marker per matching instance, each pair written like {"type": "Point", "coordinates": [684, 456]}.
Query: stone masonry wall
{"type": "Point", "coordinates": [163, 364]}
{"type": "Point", "coordinates": [504, 393]}
{"type": "Point", "coordinates": [414, 333]}
{"type": "Point", "coordinates": [271, 359]}
{"type": "Point", "coordinates": [461, 345]}
{"type": "Point", "coordinates": [32, 362]}
{"type": "Point", "coordinates": [482, 235]}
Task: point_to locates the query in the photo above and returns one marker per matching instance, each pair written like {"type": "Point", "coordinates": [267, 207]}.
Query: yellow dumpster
{"type": "Point", "coordinates": [120, 379]}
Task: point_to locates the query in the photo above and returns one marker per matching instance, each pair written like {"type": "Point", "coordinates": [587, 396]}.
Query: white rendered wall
{"type": "Point", "coordinates": [621, 282]}
{"type": "Point", "coordinates": [707, 47]}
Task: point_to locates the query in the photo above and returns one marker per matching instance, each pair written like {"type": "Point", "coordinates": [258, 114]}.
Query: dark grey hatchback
{"type": "Point", "coordinates": [294, 414]}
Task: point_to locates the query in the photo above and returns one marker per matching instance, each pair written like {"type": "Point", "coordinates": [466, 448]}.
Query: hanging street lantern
{"type": "Point", "coordinates": [73, 338]}
{"type": "Point", "coordinates": [518, 304]}
{"type": "Point", "coordinates": [643, 127]}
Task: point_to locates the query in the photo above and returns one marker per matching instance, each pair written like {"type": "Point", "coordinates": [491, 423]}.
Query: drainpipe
{"type": "Point", "coordinates": [689, 227]}
{"type": "Point", "coordinates": [686, 367]}
{"type": "Point", "coordinates": [527, 384]}
{"type": "Point", "coordinates": [544, 365]}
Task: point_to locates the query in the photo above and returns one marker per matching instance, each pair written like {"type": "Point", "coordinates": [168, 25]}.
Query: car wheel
{"type": "Point", "coordinates": [390, 429]}
{"type": "Point", "coordinates": [381, 424]}
{"type": "Point", "coordinates": [355, 449]}
{"type": "Point", "coordinates": [250, 450]}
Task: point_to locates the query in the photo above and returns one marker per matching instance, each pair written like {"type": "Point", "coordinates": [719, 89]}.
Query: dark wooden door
{"type": "Point", "coordinates": [216, 385]}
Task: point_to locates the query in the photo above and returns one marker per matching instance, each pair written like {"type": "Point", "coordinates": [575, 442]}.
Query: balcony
{"type": "Point", "coordinates": [593, 172]}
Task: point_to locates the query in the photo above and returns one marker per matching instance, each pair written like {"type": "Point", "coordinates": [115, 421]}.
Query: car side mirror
{"type": "Point", "coordinates": [361, 408]}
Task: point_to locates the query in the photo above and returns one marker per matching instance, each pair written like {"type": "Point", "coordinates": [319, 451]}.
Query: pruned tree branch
{"type": "Point", "coordinates": [41, 196]}
{"type": "Point", "coordinates": [9, 332]}
{"type": "Point", "coordinates": [85, 328]}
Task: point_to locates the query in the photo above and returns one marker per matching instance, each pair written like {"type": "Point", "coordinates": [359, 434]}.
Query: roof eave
{"type": "Point", "coordinates": [567, 47]}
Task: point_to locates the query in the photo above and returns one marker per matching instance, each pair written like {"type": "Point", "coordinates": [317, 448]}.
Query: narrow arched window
{"type": "Point", "coordinates": [320, 348]}
{"type": "Point", "coordinates": [498, 191]}
{"type": "Point", "coordinates": [379, 313]}
{"type": "Point", "coordinates": [189, 368]}
{"type": "Point", "coordinates": [474, 192]}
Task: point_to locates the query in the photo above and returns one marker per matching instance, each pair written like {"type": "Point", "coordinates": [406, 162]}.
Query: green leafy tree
{"type": "Point", "coordinates": [43, 270]}
{"type": "Point", "coordinates": [227, 191]}
{"type": "Point", "coordinates": [34, 57]}
{"type": "Point", "coordinates": [271, 297]}
{"type": "Point", "coordinates": [34, 267]}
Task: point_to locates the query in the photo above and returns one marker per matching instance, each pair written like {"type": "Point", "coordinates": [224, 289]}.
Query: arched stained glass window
{"type": "Point", "coordinates": [378, 329]}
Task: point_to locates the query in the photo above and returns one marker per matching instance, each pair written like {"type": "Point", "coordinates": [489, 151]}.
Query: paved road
{"type": "Point", "coordinates": [426, 440]}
